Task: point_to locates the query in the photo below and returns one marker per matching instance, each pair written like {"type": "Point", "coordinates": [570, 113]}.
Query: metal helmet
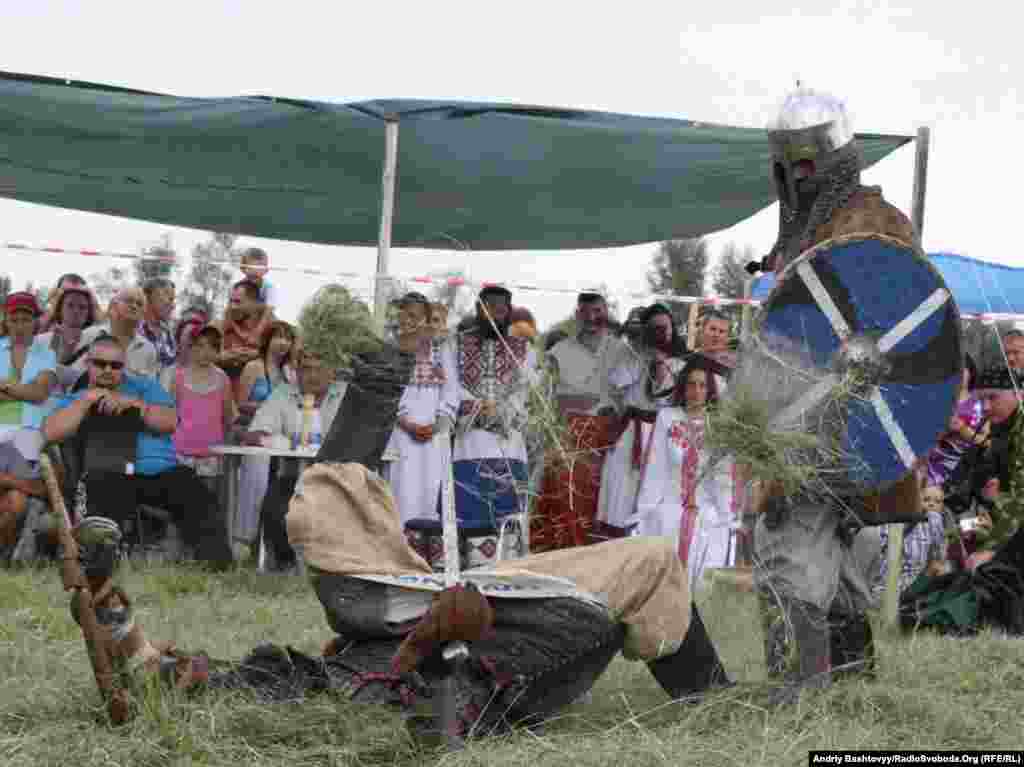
{"type": "Point", "coordinates": [810, 135]}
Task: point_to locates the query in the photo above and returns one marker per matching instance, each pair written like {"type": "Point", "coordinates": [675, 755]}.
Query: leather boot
{"type": "Point", "coordinates": [776, 635]}
{"type": "Point", "coordinates": [810, 632]}
{"type": "Point", "coordinates": [366, 418]}
{"type": "Point", "coordinates": [694, 668]}
{"type": "Point", "coordinates": [852, 645]}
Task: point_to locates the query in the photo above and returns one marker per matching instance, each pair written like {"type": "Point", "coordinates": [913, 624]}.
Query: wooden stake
{"type": "Point", "coordinates": [691, 326]}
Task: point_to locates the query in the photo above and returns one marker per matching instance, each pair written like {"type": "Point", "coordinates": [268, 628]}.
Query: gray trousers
{"type": "Point", "coordinates": [804, 559]}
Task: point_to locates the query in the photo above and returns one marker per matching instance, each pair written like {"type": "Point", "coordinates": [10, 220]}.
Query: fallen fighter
{"type": "Point", "coordinates": [541, 629]}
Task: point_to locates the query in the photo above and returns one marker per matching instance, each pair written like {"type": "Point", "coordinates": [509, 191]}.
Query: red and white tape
{"type": "Point", "coordinates": [457, 281]}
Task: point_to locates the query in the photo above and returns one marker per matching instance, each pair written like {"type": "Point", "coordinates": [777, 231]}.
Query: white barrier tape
{"type": "Point", "coordinates": [453, 281]}
{"type": "Point", "coordinates": [462, 282]}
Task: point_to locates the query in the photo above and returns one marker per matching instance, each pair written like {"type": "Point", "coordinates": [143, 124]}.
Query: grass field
{"type": "Point", "coordinates": [932, 693]}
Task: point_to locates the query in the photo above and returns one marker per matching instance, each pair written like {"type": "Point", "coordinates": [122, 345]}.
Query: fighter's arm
{"type": "Point", "coordinates": [904, 497]}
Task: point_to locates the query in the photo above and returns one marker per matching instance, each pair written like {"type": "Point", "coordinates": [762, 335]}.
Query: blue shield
{"type": "Point", "coordinates": [873, 307]}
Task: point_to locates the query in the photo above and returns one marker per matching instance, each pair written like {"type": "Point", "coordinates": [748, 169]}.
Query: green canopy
{"type": "Point", "coordinates": [482, 176]}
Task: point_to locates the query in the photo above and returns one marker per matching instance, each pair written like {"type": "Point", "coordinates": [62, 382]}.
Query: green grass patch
{"type": "Point", "coordinates": [931, 693]}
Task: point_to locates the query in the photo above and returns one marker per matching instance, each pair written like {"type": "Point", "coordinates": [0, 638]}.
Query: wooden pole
{"type": "Point", "coordinates": [691, 326]}
{"type": "Point", "coordinates": [382, 282]}
{"type": "Point", "coordinates": [890, 608]}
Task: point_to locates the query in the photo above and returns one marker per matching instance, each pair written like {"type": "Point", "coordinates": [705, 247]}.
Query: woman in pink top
{"type": "Point", "coordinates": [205, 404]}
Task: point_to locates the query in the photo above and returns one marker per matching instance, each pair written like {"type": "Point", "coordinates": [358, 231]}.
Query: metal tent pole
{"type": "Point", "coordinates": [890, 608]}
{"type": "Point", "coordinates": [920, 181]}
{"type": "Point", "coordinates": [382, 282]}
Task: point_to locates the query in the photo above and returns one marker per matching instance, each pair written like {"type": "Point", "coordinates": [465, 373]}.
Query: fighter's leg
{"type": "Point", "coordinates": [543, 655]}
{"type": "Point", "coordinates": [852, 642]}
{"type": "Point", "coordinates": [694, 668]}
{"type": "Point", "coordinates": [798, 557]}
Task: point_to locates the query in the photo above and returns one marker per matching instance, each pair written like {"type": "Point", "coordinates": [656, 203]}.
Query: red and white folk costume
{"type": "Point", "coordinates": [681, 498]}
{"type": "Point", "coordinates": [414, 468]}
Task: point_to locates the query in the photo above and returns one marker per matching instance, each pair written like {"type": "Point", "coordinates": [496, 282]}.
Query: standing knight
{"type": "Point", "coordinates": [812, 573]}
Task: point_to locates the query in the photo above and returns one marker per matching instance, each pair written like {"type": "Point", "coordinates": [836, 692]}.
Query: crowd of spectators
{"type": "Point", "coordinates": [135, 402]}
{"type": "Point", "coordinates": [144, 397]}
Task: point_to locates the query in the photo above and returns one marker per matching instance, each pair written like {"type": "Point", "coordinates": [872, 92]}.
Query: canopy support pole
{"type": "Point", "coordinates": [890, 611]}
{"type": "Point", "coordinates": [382, 282]}
{"type": "Point", "coordinates": [920, 181]}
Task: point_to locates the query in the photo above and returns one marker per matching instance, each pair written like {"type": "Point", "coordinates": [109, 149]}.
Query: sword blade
{"type": "Point", "coordinates": [449, 523]}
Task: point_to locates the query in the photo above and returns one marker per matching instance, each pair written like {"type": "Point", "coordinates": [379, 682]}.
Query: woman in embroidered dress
{"type": "Point", "coordinates": [680, 496]}
{"type": "Point", "coordinates": [425, 414]}
{"type": "Point", "coordinates": [644, 382]}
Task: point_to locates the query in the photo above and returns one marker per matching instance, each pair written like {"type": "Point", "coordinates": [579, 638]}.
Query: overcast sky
{"type": "Point", "coordinates": [898, 65]}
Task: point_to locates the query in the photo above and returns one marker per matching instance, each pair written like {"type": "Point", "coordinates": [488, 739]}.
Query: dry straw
{"type": "Point", "coordinates": [805, 455]}
{"type": "Point", "coordinates": [335, 325]}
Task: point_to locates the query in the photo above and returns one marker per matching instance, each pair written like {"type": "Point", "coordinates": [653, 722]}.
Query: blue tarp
{"type": "Point", "coordinates": [979, 287]}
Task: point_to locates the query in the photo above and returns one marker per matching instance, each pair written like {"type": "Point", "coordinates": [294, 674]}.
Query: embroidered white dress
{"type": "Point", "coordinates": [414, 468]}
{"type": "Point", "coordinates": [620, 478]}
{"type": "Point", "coordinates": [489, 456]}
{"type": "Point", "coordinates": [677, 469]}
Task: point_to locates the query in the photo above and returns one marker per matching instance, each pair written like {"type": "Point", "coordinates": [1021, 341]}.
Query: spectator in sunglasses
{"type": "Point", "coordinates": [154, 477]}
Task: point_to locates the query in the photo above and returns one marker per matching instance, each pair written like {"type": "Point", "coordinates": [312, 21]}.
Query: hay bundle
{"type": "Point", "coordinates": [806, 455]}
{"type": "Point", "coordinates": [335, 325]}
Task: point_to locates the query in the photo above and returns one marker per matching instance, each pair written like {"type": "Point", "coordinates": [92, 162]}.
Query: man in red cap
{"type": "Point", "coordinates": [27, 373]}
